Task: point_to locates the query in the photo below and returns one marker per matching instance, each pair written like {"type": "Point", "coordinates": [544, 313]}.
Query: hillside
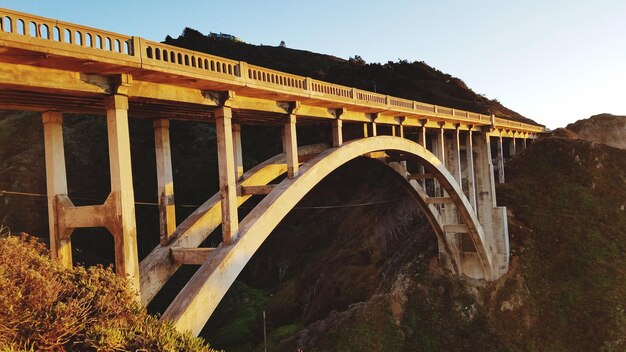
{"type": "Point", "coordinates": [404, 79]}
{"type": "Point", "coordinates": [602, 128]}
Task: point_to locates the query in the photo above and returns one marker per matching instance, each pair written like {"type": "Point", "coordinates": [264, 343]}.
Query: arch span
{"type": "Point", "coordinates": [198, 299]}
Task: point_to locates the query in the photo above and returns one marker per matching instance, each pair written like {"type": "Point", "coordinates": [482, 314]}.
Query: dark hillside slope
{"type": "Point", "coordinates": [568, 235]}
{"type": "Point", "coordinates": [410, 80]}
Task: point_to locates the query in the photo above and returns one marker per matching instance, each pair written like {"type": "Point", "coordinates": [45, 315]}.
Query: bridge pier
{"type": "Point", "coordinates": [290, 145]}
{"type": "Point", "coordinates": [492, 218]}
{"type": "Point", "coordinates": [513, 146]}
{"type": "Point", "coordinates": [500, 158]}
{"type": "Point", "coordinates": [471, 179]}
{"type": "Point", "coordinates": [238, 151]}
{"type": "Point", "coordinates": [226, 166]}
{"type": "Point", "coordinates": [56, 182]}
{"type": "Point", "coordinates": [165, 180]}
{"type": "Point", "coordinates": [337, 132]}
{"type": "Point", "coordinates": [124, 229]}
{"type": "Point", "coordinates": [421, 140]}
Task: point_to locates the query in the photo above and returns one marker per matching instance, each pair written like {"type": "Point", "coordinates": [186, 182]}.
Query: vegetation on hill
{"type": "Point", "coordinates": [568, 234]}
{"type": "Point", "coordinates": [411, 80]}
{"type": "Point", "coordinates": [45, 307]}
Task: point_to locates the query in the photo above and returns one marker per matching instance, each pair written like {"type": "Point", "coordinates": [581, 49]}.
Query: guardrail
{"type": "Point", "coordinates": [26, 25]}
{"type": "Point", "coordinates": [158, 54]}
{"type": "Point", "coordinates": [267, 77]}
{"type": "Point", "coordinates": [45, 31]}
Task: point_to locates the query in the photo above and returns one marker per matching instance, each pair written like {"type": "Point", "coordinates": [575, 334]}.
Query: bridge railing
{"type": "Point", "coordinates": [181, 59]}
{"type": "Point", "coordinates": [271, 78]}
{"type": "Point", "coordinates": [57, 33]}
{"type": "Point", "coordinates": [38, 30]}
{"type": "Point", "coordinates": [401, 103]}
{"type": "Point", "coordinates": [500, 122]}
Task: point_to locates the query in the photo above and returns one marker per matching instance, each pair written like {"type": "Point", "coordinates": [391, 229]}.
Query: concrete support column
{"type": "Point", "coordinates": [440, 151]}
{"type": "Point", "coordinates": [401, 131]}
{"type": "Point", "coordinates": [485, 181]}
{"type": "Point", "coordinates": [441, 147]}
{"type": "Point", "coordinates": [337, 126]}
{"type": "Point", "coordinates": [471, 180]}
{"type": "Point", "coordinates": [56, 182]}
{"type": "Point", "coordinates": [374, 132]}
{"type": "Point", "coordinates": [513, 147]}
{"type": "Point", "coordinates": [500, 160]}
{"type": "Point", "coordinates": [365, 131]}
{"type": "Point", "coordinates": [421, 137]}
{"type": "Point", "coordinates": [238, 151]}
{"type": "Point", "coordinates": [126, 256]}
{"type": "Point", "coordinates": [455, 157]}
{"type": "Point", "coordinates": [493, 219]}
{"type": "Point", "coordinates": [421, 140]}
{"type": "Point", "coordinates": [524, 143]}
{"type": "Point", "coordinates": [452, 158]}
{"type": "Point", "coordinates": [290, 146]}
{"type": "Point", "coordinates": [165, 179]}
{"type": "Point", "coordinates": [226, 166]}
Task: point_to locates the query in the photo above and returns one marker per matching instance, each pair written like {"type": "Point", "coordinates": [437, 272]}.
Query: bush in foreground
{"type": "Point", "coordinates": [44, 306]}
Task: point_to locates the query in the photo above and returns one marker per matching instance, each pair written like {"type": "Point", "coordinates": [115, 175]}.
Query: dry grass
{"type": "Point", "coordinates": [45, 307]}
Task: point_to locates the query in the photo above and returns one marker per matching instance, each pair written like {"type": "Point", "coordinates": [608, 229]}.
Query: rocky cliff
{"type": "Point", "coordinates": [602, 128]}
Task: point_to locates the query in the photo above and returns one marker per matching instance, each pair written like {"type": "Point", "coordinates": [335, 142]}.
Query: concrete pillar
{"type": "Point", "coordinates": [421, 140]}
{"type": "Point", "coordinates": [452, 158]}
{"type": "Point", "coordinates": [471, 180]}
{"type": "Point", "coordinates": [440, 151]}
{"type": "Point", "coordinates": [165, 179]}
{"type": "Point", "coordinates": [401, 131]}
{"type": "Point", "coordinates": [365, 132]}
{"type": "Point", "coordinates": [484, 175]}
{"type": "Point", "coordinates": [500, 160]}
{"type": "Point", "coordinates": [441, 148]}
{"type": "Point", "coordinates": [56, 182]}
{"type": "Point", "coordinates": [421, 137]}
{"type": "Point", "coordinates": [291, 146]}
{"type": "Point", "coordinates": [455, 157]}
{"type": "Point", "coordinates": [524, 145]}
{"type": "Point", "coordinates": [374, 134]}
{"type": "Point", "coordinates": [513, 147]}
{"type": "Point", "coordinates": [126, 256]}
{"type": "Point", "coordinates": [238, 151]}
{"type": "Point", "coordinates": [493, 219]}
{"type": "Point", "coordinates": [337, 126]}
{"type": "Point", "coordinates": [226, 166]}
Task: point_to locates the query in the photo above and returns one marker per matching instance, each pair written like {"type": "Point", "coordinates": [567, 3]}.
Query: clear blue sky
{"type": "Point", "coordinates": [555, 61]}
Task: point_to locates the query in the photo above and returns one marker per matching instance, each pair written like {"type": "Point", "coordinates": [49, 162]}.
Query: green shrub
{"type": "Point", "coordinates": [44, 306]}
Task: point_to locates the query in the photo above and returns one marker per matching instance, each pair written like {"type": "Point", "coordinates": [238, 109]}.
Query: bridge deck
{"type": "Point", "coordinates": [48, 64]}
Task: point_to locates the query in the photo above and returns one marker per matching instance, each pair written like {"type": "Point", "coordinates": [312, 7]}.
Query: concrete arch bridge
{"type": "Point", "coordinates": [449, 159]}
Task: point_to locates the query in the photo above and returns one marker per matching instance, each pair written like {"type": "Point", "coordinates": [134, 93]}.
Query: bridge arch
{"type": "Point", "coordinates": [196, 302]}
